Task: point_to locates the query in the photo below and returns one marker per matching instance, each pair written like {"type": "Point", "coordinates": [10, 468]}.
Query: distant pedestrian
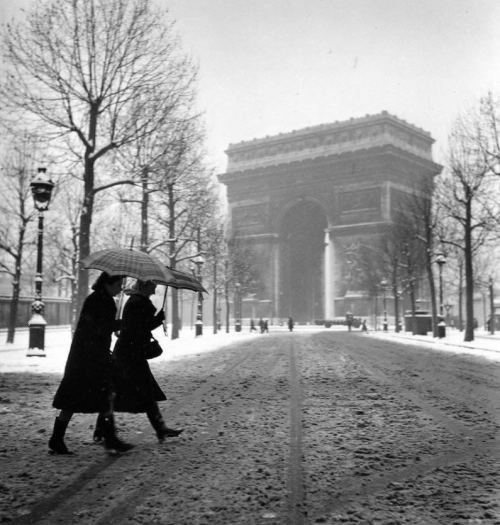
{"type": "Point", "coordinates": [261, 325]}
{"type": "Point", "coordinates": [86, 386]}
{"type": "Point", "coordinates": [136, 389]}
{"type": "Point", "coordinates": [266, 326]}
{"type": "Point", "coordinates": [290, 324]}
{"type": "Point", "coordinates": [252, 326]}
{"type": "Point", "coordinates": [364, 328]}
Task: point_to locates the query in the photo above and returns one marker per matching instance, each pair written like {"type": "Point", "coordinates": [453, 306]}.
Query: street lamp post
{"type": "Point", "coordinates": [237, 308]}
{"type": "Point", "coordinates": [441, 261]}
{"type": "Point", "coordinates": [41, 189]}
{"type": "Point", "coordinates": [383, 284]}
{"type": "Point", "coordinates": [199, 261]}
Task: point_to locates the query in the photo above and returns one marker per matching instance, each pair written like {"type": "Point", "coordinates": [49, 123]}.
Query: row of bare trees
{"type": "Point", "coordinates": [106, 98]}
{"type": "Point", "coordinates": [456, 215]}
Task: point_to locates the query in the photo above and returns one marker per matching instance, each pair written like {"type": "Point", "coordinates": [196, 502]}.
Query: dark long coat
{"type": "Point", "coordinates": [87, 382]}
{"type": "Point", "coordinates": [136, 388]}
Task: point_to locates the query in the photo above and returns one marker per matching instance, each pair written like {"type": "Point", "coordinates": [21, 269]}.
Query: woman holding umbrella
{"type": "Point", "coordinates": [86, 386]}
{"type": "Point", "coordinates": [136, 388]}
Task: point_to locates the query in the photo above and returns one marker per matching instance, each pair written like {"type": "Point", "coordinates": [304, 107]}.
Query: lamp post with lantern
{"type": "Point", "coordinates": [41, 189]}
{"type": "Point", "coordinates": [237, 308]}
{"type": "Point", "coordinates": [383, 285]}
{"type": "Point", "coordinates": [441, 261]}
{"type": "Point", "coordinates": [199, 261]}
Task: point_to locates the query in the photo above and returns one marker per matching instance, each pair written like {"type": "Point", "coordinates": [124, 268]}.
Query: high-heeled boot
{"type": "Point", "coordinates": [162, 431]}
{"type": "Point", "coordinates": [112, 443]}
{"type": "Point", "coordinates": [56, 441]}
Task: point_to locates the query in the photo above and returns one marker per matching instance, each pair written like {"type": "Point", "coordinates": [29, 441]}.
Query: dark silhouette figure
{"type": "Point", "coordinates": [252, 326]}
{"type": "Point", "coordinates": [364, 328]}
{"type": "Point", "coordinates": [86, 386]}
{"type": "Point", "coordinates": [136, 389]}
{"type": "Point", "coordinates": [290, 324]}
{"type": "Point", "coordinates": [261, 325]}
{"type": "Point", "coordinates": [266, 327]}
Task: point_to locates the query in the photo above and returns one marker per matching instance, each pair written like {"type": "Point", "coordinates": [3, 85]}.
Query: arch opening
{"type": "Point", "coordinates": [302, 262]}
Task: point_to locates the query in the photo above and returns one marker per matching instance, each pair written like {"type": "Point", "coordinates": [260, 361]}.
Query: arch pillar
{"type": "Point", "coordinates": [275, 278]}
{"type": "Point", "coordinates": [329, 276]}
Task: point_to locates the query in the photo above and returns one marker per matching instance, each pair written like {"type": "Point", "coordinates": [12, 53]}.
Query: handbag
{"type": "Point", "coordinates": [152, 349]}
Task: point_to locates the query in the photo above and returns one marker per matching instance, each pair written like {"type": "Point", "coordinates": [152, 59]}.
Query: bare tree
{"type": "Point", "coordinates": [17, 211]}
{"type": "Point", "coordinates": [89, 70]}
{"type": "Point", "coordinates": [184, 207]}
{"type": "Point", "coordinates": [419, 217]}
{"type": "Point", "coordinates": [215, 254]}
{"type": "Point", "coordinates": [466, 198]}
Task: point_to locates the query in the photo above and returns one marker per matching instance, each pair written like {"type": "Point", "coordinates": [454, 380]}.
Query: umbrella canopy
{"type": "Point", "coordinates": [123, 261]}
{"type": "Point", "coordinates": [185, 281]}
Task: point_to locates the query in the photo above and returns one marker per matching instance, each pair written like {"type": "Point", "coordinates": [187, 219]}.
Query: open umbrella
{"type": "Point", "coordinates": [123, 261]}
{"type": "Point", "coordinates": [183, 280]}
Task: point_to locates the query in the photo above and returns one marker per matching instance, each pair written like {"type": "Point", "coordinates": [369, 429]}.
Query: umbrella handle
{"type": "Point", "coordinates": [164, 308]}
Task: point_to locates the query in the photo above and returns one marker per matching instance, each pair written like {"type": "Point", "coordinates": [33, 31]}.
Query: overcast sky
{"type": "Point", "coordinates": [271, 66]}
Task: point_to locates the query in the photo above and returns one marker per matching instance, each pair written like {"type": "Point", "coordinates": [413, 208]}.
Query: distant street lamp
{"type": "Point", "coordinates": [383, 284]}
{"type": "Point", "coordinates": [441, 261]}
{"type": "Point", "coordinates": [41, 189]}
{"type": "Point", "coordinates": [199, 262]}
{"type": "Point", "coordinates": [237, 308]}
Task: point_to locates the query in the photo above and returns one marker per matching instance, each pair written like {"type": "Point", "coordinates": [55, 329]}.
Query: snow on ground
{"type": "Point", "coordinates": [58, 339]}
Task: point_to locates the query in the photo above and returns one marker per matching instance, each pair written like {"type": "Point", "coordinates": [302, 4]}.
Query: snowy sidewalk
{"type": "Point", "coordinates": [484, 344]}
{"type": "Point", "coordinates": [58, 339]}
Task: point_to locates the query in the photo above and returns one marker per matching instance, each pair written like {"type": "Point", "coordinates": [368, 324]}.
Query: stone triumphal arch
{"type": "Point", "coordinates": [297, 200]}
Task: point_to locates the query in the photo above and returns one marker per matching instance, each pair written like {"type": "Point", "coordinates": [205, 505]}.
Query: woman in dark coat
{"type": "Point", "coordinates": [87, 382]}
{"type": "Point", "coordinates": [136, 388]}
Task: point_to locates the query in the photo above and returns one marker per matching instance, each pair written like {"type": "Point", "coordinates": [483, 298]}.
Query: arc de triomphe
{"type": "Point", "coordinates": [297, 199]}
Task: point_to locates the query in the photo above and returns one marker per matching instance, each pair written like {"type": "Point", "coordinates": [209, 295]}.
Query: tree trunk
{"type": "Point", "coordinates": [432, 292]}
{"type": "Point", "coordinates": [395, 296]}
{"type": "Point", "coordinates": [175, 313]}
{"type": "Point", "coordinates": [460, 295]}
{"type": "Point", "coordinates": [226, 294]}
{"type": "Point", "coordinates": [14, 302]}
{"type": "Point", "coordinates": [144, 211]}
{"type": "Point", "coordinates": [84, 233]}
{"type": "Point", "coordinates": [469, 277]}
{"type": "Point", "coordinates": [16, 285]}
{"type": "Point", "coordinates": [413, 309]}
{"type": "Point", "coordinates": [172, 261]}
{"type": "Point", "coordinates": [214, 303]}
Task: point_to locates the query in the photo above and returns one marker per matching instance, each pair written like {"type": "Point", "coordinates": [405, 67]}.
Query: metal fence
{"type": "Point", "coordinates": [57, 311]}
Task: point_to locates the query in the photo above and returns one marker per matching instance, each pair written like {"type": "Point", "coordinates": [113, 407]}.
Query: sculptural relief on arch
{"type": "Point", "coordinates": [300, 201]}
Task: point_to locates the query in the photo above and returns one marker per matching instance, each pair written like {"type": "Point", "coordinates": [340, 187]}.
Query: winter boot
{"type": "Point", "coordinates": [98, 436]}
{"type": "Point", "coordinates": [162, 431]}
{"type": "Point", "coordinates": [56, 441]}
{"type": "Point", "coordinates": [112, 443]}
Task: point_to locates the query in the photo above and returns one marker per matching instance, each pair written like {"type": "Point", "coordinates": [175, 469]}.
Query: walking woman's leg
{"type": "Point", "coordinates": [56, 441]}
{"type": "Point", "coordinates": [156, 420]}
{"type": "Point", "coordinates": [98, 436]}
{"type": "Point", "coordinates": [112, 443]}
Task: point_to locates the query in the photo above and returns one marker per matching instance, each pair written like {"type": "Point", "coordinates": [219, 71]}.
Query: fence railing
{"type": "Point", "coordinates": [57, 311]}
